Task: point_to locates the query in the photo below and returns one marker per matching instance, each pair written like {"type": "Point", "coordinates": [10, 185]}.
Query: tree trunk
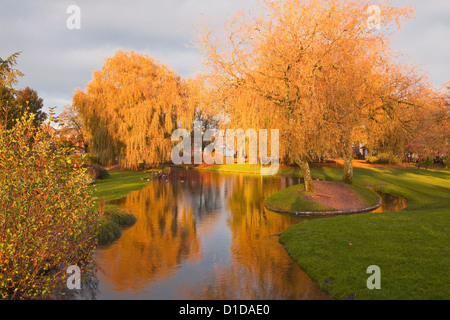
{"type": "Point", "coordinates": [348, 164]}
{"type": "Point", "coordinates": [306, 172]}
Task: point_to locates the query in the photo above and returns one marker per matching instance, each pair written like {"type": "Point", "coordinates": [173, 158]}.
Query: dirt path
{"type": "Point", "coordinates": [335, 195]}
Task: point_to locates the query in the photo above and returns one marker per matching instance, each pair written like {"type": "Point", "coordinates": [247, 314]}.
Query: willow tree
{"type": "Point", "coordinates": [285, 53]}
{"type": "Point", "coordinates": [130, 109]}
{"type": "Point", "coordinates": [348, 90]}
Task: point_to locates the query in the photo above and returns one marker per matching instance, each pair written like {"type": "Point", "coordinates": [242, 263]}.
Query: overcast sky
{"type": "Point", "coordinates": [57, 60]}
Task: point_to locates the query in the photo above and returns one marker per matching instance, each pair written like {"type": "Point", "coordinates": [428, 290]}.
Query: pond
{"type": "Point", "coordinates": [202, 235]}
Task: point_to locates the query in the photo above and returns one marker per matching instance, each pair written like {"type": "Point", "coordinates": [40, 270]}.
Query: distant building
{"type": "Point", "coordinates": [360, 149]}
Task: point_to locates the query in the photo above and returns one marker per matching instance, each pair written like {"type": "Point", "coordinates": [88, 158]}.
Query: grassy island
{"type": "Point", "coordinates": [333, 198]}
{"type": "Point", "coordinates": [411, 247]}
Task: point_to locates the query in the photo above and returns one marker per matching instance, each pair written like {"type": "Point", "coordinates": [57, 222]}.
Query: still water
{"type": "Point", "coordinates": [202, 235]}
{"type": "Point", "coordinates": [391, 203]}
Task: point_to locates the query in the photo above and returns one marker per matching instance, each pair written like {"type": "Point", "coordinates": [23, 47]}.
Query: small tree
{"type": "Point", "coordinates": [8, 73]}
{"type": "Point", "coordinates": [72, 125]}
{"type": "Point", "coordinates": [28, 100]}
{"type": "Point", "coordinates": [13, 103]}
{"type": "Point", "coordinates": [47, 218]}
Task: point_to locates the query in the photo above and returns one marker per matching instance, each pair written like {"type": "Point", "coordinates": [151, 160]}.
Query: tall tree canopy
{"type": "Point", "coordinates": [130, 109]}
{"type": "Point", "coordinates": [295, 55]}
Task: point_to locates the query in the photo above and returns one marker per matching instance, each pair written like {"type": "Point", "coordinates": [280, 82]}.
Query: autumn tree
{"type": "Point", "coordinates": [130, 109]}
{"type": "Point", "coordinates": [72, 126]}
{"type": "Point", "coordinates": [28, 99]}
{"type": "Point", "coordinates": [7, 106]}
{"type": "Point", "coordinates": [428, 135]}
{"type": "Point", "coordinates": [8, 78]}
{"type": "Point", "coordinates": [15, 103]}
{"type": "Point", "coordinates": [288, 54]}
{"type": "Point", "coordinates": [409, 117]}
{"type": "Point", "coordinates": [432, 137]}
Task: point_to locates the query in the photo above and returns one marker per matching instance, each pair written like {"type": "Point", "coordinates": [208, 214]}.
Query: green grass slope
{"type": "Point", "coordinates": [411, 247]}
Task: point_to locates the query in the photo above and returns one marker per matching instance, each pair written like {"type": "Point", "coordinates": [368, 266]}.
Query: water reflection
{"type": "Point", "coordinates": [203, 235]}
{"type": "Point", "coordinates": [391, 203]}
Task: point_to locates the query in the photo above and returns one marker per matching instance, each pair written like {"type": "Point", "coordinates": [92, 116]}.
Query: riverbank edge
{"type": "Point", "coordinates": [120, 184]}
{"type": "Point", "coordinates": [409, 245]}
{"type": "Point", "coordinates": [356, 190]}
{"type": "Point", "coordinates": [325, 213]}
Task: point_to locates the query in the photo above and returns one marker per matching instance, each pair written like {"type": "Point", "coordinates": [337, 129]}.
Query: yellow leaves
{"type": "Point", "coordinates": [131, 107]}
{"type": "Point", "coordinates": [308, 67]}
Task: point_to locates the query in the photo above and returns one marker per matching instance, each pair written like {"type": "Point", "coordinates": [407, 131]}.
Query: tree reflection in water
{"type": "Point", "coordinates": [391, 203]}
{"type": "Point", "coordinates": [203, 235]}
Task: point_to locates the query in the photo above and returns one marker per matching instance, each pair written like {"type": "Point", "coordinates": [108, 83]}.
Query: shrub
{"type": "Point", "coordinates": [383, 158]}
{"type": "Point", "coordinates": [108, 231]}
{"type": "Point", "coordinates": [97, 172]}
{"type": "Point", "coordinates": [371, 159]}
{"type": "Point", "coordinates": [47, 215]}
{"type": "Point", "coordinates": [119, 216]}
{"type": "Point", "coordinates": [112, 220]}
{"type": "Point", "coordinates": [425, 162]}
{"type": "Point", "coordinates": [447, 162]}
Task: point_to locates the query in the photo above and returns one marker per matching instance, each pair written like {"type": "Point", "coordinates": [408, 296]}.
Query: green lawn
{"type": "Point", "coordinates": [411, 247]}
{"type": "Point", "coordinates": [119, 184]}
{"type": "Point", "coordinates": [291, 200]}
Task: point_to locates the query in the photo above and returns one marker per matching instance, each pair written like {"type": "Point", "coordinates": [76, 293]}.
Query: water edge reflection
{"type": "Point", "coordinates": [203, 235]}
{"type": "Point", "coordinates": [391, 203]}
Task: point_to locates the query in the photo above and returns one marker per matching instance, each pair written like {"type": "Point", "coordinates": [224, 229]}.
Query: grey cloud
{"type": "Point", "coordinates": [426, 38]}
{"type": "Point", "coordinates": [57, 60]}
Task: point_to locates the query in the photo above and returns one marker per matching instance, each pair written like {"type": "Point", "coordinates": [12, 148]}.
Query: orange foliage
{"type": "Point", "coordinates": [308, 68]}
{"type": "Point", "coordinates": [131, 107]}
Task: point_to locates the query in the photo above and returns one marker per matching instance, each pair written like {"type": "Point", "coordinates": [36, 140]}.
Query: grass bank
{"type": "Point", "coordinates": [411, 247]}
{"type": "Point", "coordinates": [118, 185]}
{"type": "Point", "coordinates": [293, 199]}
{"type": "Point", "coordinates": [111, 224]}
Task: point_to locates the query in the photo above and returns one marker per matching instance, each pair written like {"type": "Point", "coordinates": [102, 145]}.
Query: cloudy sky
{"type": "Point", "coordinates": [57, 60]}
